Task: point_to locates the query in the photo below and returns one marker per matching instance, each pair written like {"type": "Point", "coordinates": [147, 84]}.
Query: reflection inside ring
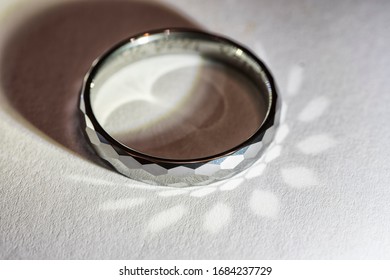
{"type": "Point", "coordinates": [177, 104]}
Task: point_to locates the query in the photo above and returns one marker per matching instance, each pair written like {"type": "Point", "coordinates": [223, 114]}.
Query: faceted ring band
{"type": "Point", "coordinates": [181, 172]}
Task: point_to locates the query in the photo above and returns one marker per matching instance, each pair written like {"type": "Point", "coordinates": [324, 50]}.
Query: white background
{"type": "Point", "coordinates": [321, 192]}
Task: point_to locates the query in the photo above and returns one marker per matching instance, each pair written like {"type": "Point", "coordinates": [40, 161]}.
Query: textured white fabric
{"type": "Point", "coordinates": [321, 191]}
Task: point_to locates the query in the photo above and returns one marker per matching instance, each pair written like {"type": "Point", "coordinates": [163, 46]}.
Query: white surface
{"type": "Point", "coordinates": [323, 191]}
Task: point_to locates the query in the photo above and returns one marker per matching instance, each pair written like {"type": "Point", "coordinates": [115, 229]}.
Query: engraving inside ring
{"type": "Point", "coordinates": [177, 105]}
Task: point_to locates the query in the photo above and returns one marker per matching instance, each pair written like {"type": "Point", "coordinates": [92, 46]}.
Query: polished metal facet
{"type": "Point", "coordinates": [172, 172]}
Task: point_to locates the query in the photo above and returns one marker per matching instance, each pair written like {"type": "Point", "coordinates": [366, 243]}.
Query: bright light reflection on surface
{"type": "Point", "coordinates": [144, 39]}
{"type": "Point", "coordinates": [239, 52]}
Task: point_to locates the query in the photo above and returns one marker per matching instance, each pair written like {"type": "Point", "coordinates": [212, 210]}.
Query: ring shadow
{"type": "Point", "coordinates": [46, 57]}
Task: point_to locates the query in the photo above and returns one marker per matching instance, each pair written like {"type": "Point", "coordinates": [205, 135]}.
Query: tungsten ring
{"type": "Point", "coordinates": [179, 107]}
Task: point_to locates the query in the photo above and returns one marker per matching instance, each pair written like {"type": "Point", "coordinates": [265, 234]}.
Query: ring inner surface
{"type": "Point", "coordinates": [180, 96]}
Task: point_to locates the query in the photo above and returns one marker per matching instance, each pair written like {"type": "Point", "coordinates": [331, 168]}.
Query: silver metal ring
{"type": "Point", "coordinates": [179, 172]}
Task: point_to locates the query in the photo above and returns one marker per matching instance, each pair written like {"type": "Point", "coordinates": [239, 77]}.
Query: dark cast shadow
{"type": "Point", "coordinates": [47, 55]}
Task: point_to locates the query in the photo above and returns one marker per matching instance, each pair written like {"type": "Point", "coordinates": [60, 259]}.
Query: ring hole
{"type": "Point", "coordinates": [179, 106]}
